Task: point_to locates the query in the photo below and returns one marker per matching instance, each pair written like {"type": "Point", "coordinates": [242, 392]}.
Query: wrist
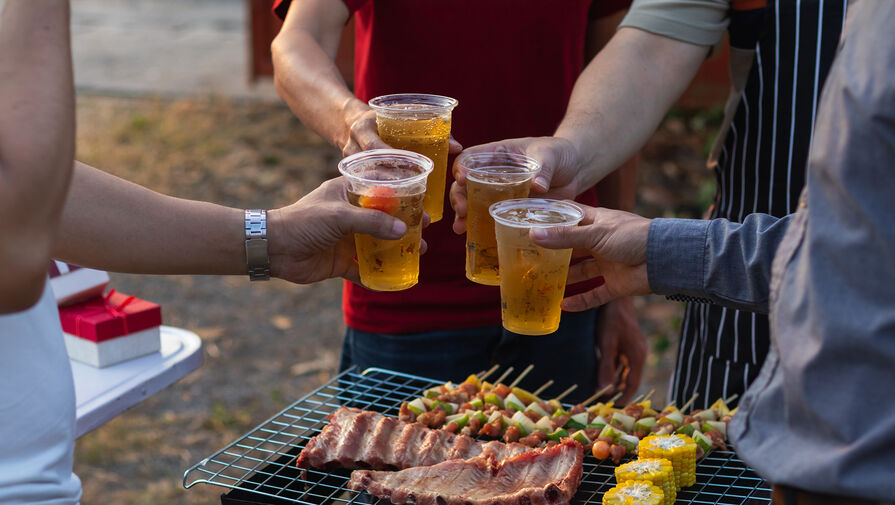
{"type": "Point", "coordinates": [275, 243]}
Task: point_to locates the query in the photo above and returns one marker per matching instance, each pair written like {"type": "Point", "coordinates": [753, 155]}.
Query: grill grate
{"type": "Point", "coordinates": [261, 464]}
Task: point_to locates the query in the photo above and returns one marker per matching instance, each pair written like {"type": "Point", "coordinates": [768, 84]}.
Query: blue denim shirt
{"type": "Point", "coordinates": [821, 415]}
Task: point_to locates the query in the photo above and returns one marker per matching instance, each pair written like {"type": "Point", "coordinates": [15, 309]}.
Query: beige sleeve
{"type": "Point", "coordinates": [700, 22]}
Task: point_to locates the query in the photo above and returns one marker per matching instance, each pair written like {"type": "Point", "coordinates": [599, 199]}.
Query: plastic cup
{"type": "Point", "coordinates": [392, 181]}
{"type": "Point", "coordinates": [422, 124]}
{"type": "Point", "coordinates": [490, 178]}
{"type": "Point", "coordinates": [532, 279]}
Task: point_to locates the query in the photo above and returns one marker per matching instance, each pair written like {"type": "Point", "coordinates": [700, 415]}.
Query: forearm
{"type": "Point", "coordinates": [727, 263]}
{"type": "Point", "coordinates": [36, 141]}
{"type": "Point", "coordinates": [622, 95]}
{"type": "Point", "coordinates": [115, 225]}
{"type": "Point", "coordinates": [305, 73]}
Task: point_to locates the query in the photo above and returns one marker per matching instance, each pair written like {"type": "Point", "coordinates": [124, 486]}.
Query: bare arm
{"type": "Point", "coordinates": [308, 80]}
{"type": "Point", "coordinates": [36, 142]}
{"type": "Point", "coordinates": [622, 95]}
{"type": "Point", "coordinates": [113, 224]}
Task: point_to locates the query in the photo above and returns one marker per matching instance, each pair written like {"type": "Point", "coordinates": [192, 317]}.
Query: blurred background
{"type": "Point", "coordinates": [176, 95]}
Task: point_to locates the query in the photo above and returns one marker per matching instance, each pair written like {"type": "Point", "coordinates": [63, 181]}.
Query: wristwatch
{"type": "Point", "coordinates": [256, 245]}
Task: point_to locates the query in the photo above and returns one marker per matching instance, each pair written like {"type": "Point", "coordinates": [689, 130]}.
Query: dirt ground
{"type": "Point", "coordinates": [268, 344]}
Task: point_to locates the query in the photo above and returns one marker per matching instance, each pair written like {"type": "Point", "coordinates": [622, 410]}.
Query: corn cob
{"type": "Point", "coordinates": [680, 450]}
{"type": "Point", "coordinates": [656, 471]}
{"type": "Point", "coordinates": [634, 493]}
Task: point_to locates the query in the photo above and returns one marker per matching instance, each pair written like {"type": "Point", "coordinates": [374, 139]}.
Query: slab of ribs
{"type": "Point", "coordinates": [441, 468]}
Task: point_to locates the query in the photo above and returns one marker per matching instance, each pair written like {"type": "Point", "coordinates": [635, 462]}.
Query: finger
{"type": "Point", "coordinates": [366, 134]}
{"type": "Point", "coordinates": [587, 300]}
{"type": "Point", "coordinates": [458, 170]}
{"type": "Point", "coordinates": [352, 274]}
{"type": "Point", "coordinates": [567, 237]}
{"type": "Point", "coordinates": [454, 147]}
{"type": "Point", "coordinates": [423, 246]}
{"type": "Point", "coordinates": [458, 203]}
{"type": "Point", "coordinates": [370, 222]}
{"type": "Point", "coordinates": [583, 271]}
{"type": "Point", "coordinates": [427, 219]}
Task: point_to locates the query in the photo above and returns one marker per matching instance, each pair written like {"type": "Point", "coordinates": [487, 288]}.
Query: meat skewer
{"type": "Point", "coordinates": [484, 375]}
{"type": "Point", "coordinates": [568, 391]}
{"type": "Point", "coordinates": [548, 476]}
{"type": "Point", "coordinates": [537, 392]}
{"type": "Point", "coordinates": [506, 374]}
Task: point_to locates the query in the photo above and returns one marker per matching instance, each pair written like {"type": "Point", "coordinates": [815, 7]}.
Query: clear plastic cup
{"type": "Point", "coordinates": [420, 123]}
{"type": "Point", "coordinates": [532, 279]}
{"type": "Point", "coordinates": [491, 177]}
{"type": "Point", "coordinates": [392, 181]}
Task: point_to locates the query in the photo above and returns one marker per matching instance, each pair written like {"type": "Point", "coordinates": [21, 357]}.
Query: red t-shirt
{"type": "Point", "coordinates": [511, 64]}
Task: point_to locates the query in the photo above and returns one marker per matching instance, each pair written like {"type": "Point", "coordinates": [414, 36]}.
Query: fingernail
{"type": "Point", "coordinates": [538, 233]}
{"type": "Point", "coordinates": [540, 182]}
{"type": "Point", "coordinates": [398, 227]}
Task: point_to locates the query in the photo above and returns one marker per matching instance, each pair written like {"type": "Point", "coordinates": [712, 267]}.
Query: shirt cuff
{"type": "Point", "coordinates": [675, 256]}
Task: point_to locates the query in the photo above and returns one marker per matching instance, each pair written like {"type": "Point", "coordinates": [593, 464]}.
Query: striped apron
{"type": "Point", "coordinates": [781, 51]}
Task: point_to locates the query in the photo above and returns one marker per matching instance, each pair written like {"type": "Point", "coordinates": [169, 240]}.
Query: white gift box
{"type": "Point", "coordinates": [115, 350]}
{"type": "Point", "coordinates": [71, 283]}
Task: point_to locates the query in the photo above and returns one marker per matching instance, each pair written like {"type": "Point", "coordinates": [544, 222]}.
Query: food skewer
{"type": "Point", "coordinates": [512, 414]}
{"type": "Point", "coordinates": [484, 375]}
{"type": "Point", "coordinates": [689, 402]}
{"type": "Point", "coordinates": [537, 392]}
{"type": "Point", "coordinates": [731, 398]}
{"type": "Point", "coordinates": [506, 374]}
{"type": "Point", "coordinates": [565, 393]}
{"type": "Point", "coordinates": [521, 376]}
{"type": "Point", "coordinates": [597, 394]}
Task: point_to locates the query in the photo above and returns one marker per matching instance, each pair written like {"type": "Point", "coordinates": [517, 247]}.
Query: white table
{"type": "Point", "coordinates": [103, 393]}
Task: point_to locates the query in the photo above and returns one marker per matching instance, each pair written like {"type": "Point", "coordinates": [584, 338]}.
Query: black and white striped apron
{"type": "Point", "coordinates": [759, 162]}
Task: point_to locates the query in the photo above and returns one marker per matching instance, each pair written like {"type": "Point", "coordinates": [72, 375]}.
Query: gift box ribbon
{"type": "Point", "coordinates": [115, 310]}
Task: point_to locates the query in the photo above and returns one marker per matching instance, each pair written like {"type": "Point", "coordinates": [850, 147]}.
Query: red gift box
{"type": "Point", "coordinates": [106, 317]}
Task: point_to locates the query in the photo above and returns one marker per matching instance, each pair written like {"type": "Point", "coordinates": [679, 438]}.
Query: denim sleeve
{"type": "Point", "coordinates": [716, 260]}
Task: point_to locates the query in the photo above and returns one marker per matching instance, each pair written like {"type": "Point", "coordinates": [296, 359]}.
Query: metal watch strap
{"type": "Point", "coordinates": [256, 245]}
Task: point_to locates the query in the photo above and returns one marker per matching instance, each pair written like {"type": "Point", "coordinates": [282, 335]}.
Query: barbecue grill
{"type": "Point", "coordinates": [259, 468]}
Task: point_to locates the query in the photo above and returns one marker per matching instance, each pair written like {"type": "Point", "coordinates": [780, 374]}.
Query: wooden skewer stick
{"type": "Point", "coordinates": [597, 395]}
{"type": "Point", "coordinates": [648, 395]}
{"type": "Point", "coordinates": [522, 375]}
{"type": "Point", "coordinates": [541, 389]}
{"type": "Point", "coordinates": [689, 402]}
{"type": "Point", "coordinates": [732, 398]}
{"type": "Point", "coordinates": [637, 399]}
{"type": "Point", "coordinates": [616, 396]}
{"type": "Point", "coordinates": [504, 376]}
{"type": "Point", "coordinates": [565, 393]}
{"type": "Point", "coordinates": [485, 375]}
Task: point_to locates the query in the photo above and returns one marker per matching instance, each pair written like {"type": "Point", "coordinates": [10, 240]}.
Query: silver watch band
{"type": "Point", "coordinates": [256, 245]}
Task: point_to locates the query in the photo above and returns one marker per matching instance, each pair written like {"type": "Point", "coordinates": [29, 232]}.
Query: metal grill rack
{"type": "Point", "coordinates": [260, 466]}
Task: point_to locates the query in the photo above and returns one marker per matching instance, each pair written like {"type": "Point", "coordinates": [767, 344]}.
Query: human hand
{"type": "Point", "coordinates": [617, 242]}
{"type": "Point", "coordinates": [622, 347]}
{"type": "Point", "coordinates": [313, 239]}
{"type": "Point", "coordinates": [556, 179]}
{"type": "Point", "coordinates": [364, 134]}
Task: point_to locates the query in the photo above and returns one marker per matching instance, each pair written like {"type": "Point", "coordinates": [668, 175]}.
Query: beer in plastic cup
{"type": "Point", "coordinates": [532, 279]}
{"type": "Point", "coordinates": [422, 124]}
{"type": "Point", "coordinates": [490, 178]}
{"type": "Point", "coordinates": [392, 181]}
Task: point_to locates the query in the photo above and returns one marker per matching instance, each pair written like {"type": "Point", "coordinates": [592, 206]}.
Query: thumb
{"type": "Point", "coordinates": [541, 182]}
{"type": "Point", "coordinates": [372, 222]}
{"type": "Point", "coordinates": [566, 237]}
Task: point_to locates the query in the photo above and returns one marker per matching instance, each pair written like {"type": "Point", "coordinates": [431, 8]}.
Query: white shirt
{"type": "Point", "coordinates": [37, 409]}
